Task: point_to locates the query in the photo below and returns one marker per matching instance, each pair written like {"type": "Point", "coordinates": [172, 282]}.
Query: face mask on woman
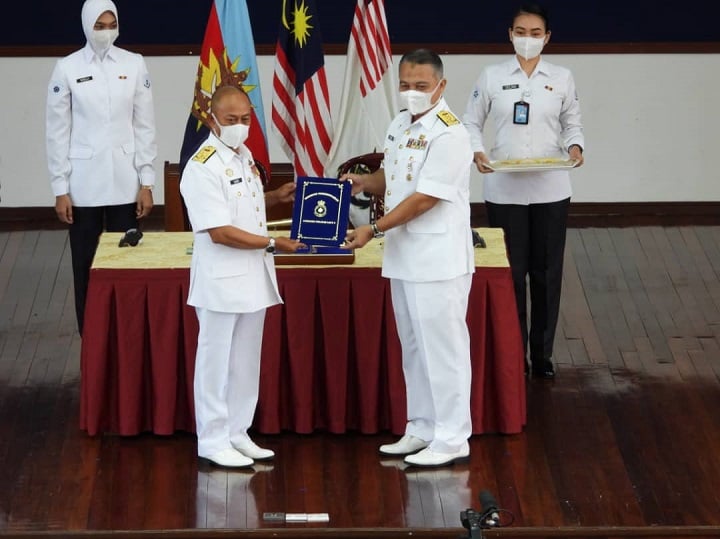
{"type": "Point", "coordinates": [528, 47]}
{"type": "Point", "coordinates": [416, 101]}
{"type": "Point", "coordinates": [232, 135]}
{"type": "Point", "coordinates": [102, 40]}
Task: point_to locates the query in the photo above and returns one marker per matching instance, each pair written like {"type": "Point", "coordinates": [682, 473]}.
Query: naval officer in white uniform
{"type": "Point", "coordinates": [232, 279]}
{"type": "Point", "coordinates": [100, 138]}
{"type": "Point", "coordinates": [429, 260]}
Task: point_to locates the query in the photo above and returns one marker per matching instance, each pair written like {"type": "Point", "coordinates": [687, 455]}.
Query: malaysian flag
{"type": "Point", "coordinates": [227, 57]}
{"type": "Point", "coordinates": [369, 100]}
{"type": "Point", "coordinates": [301, 104]}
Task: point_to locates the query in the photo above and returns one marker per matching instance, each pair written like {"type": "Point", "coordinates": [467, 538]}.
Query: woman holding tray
{"type": "Point", "coordinates": [534, 108]}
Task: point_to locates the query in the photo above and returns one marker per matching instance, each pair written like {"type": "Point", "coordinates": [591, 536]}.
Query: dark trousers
{"type": "Point", "coordinates": [535, 237]}
{"type": "Point", "coordinates": [88, 223]}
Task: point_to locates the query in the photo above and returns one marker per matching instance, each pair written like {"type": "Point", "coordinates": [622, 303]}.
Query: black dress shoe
{"type": "Point", "coordinates": [543, 369]}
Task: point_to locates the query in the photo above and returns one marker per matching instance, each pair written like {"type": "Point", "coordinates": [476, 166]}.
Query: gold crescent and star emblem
{"type": "Point", "coordinates": [301, 26]}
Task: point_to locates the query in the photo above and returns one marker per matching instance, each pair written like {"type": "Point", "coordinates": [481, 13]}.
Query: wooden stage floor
{"type": "Point", "coordinates": [625, 442]}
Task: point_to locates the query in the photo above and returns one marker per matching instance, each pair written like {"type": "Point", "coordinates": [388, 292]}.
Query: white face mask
{"type": "Point", "coordinates": [232, 135]}
{"type": "Point", "coordinates": [416, 101]}
{"type": "Point", "coordinates": [528, 47]}
{"type": "Point", "coordinates": [102, 40]}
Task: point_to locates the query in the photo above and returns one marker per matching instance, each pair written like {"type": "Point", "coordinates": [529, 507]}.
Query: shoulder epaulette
{"type": "Point", "coordinates": [447, 117]}
{"type": "Point", "coordinates": [204, 154]}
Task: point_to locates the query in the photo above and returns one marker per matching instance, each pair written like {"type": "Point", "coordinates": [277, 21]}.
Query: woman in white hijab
{"type": "Point", "coordinates": [100, 140]}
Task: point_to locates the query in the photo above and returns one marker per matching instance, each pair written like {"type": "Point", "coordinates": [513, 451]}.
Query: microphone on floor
{"type": "Point", "coordinates": [488, 516]}
{"type": "Point", "coordinates": [489, 510]}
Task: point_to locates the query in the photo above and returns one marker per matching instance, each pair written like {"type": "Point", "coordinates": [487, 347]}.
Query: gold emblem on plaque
{"type": "Point", "coordinates": [320, 209]}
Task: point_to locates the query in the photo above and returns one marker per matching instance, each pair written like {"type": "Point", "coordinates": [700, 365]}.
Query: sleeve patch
{"type": "Point", "coordinates": [448, 118]}
{"type": "Point", "coordinates": [56, 88]}
{"type": "Point", "coordinates": [204, 154]}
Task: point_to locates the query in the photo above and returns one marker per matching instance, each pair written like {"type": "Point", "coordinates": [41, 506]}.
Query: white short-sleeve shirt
{"type": "Point", "coordinates": [432, 156]}
{"type": "Point", "coordinates": [220, 188]}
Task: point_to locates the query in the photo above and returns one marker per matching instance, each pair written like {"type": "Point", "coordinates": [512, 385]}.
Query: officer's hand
{"type": "Point", "coordinates": [481, 162]}
{"type": "Point", "coordinates": [357, 180]}
{"type": "Point", "coordinates": [577, 155]}
{"type": "Point", "coordinates": [63, 209]}
{"type": "Point", "coordinates": [288, 245]}
{"type": "Point", "coordinates": [144, 203]}
{"type": "Point", "coordinates": [284, 193]}
{"type": "Point", "coordinates": [357, 237]}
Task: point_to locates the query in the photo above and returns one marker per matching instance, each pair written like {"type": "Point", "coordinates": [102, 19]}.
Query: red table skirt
{"type": "Point", "coordinates": [331, 357]}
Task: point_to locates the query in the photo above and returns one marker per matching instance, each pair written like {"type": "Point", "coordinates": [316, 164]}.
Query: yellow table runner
{"type": "Point", "coordinates": [164, 250]}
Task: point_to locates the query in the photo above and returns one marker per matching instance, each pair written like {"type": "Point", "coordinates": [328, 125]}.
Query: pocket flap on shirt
{"type": "Point", "coordinates": [428, 223]}
{"type": "Point", "coordinates": [229, 268]}
{"type": "Point", "coordinates": [80, 152]}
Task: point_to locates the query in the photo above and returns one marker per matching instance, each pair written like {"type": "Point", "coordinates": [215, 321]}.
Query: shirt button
{"type": "Point", "coordinates": [389, 193]}
{"type": "Point", "coordinates": [409, 177]}
{"type": "Point", "coordinates": [401, 146]}
{"type": "Point", "coordinates": [392, 177]}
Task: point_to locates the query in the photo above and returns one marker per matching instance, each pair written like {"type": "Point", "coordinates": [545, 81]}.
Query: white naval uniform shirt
{"type": "Point", "coordinates": [100, 127]}
{"type": "Point", "coordinates": [554, 125]}
{"type": "Point", "coordinates": [221, 187]}
{"type": "Point", "coordinates": [434, 158]}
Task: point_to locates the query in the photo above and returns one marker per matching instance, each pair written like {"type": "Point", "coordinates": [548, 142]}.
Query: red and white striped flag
{"type": "Point", "coordinates": [301, 102]}
{"type": "Point", "coordinates": [369, 100]}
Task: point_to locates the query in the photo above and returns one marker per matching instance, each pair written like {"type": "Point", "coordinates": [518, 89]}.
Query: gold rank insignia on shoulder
{"type": "Point", "coordinates": [447, 117]}
{"type": "Point", "coordinates": [204, 154]}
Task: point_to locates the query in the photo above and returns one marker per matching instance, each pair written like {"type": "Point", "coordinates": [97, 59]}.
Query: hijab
{"type": "Point", "coordinates": [99, 40]}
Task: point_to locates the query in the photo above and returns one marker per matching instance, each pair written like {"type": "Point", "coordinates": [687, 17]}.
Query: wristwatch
{"type": "Point", "coordinates": [376, 231]}
{"type": "Point", "coordinates": [270, 248]}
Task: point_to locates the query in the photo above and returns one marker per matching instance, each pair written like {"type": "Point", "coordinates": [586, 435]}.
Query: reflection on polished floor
{"type": "Point", "coordinates": [625, 439]}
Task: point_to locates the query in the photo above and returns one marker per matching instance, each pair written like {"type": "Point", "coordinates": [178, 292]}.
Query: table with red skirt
{"type": "Point", "coordinates": [331, 359]}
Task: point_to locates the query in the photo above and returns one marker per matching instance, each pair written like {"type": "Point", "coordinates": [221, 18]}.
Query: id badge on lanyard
{"type": "Point", "coordinates": [521, 110]}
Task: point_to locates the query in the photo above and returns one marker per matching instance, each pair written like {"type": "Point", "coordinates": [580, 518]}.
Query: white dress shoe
{"type": "Point", "coordinates": [404, 446]}
{"type": "Point", "coordinates": [429, 458]}
{"type": "Point", "coordinates": [248, 448]}
{"type": "Point", "coordinates": [230, 458]}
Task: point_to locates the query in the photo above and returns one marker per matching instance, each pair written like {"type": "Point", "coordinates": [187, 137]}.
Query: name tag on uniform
{"type": "Point", "coordinates": [511, 86]}
{"type": "Point", "coordinates": [521, 113]}
{"type": "Point", "coordinates": [84, 79]}
{"type": "Point", "coordinates": [236, 180]}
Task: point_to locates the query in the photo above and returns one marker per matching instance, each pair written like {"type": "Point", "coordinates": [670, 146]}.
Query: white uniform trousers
{"type": "Point", "coordinates": [227, 377]}
{"type": "Point", "coordinates": [432, 326]}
